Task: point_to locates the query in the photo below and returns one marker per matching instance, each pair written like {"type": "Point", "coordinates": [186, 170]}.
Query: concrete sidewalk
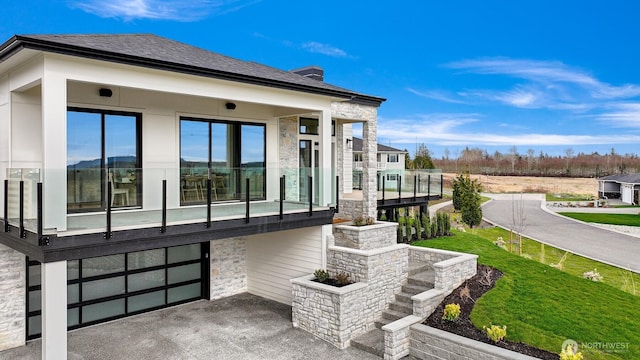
{"type": "Point", "coordinates": [241, 327]}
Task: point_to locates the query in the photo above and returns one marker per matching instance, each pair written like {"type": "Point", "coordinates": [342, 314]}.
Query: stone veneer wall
{"type": "Point", "coordinates": [384, 271]}
{"type": "Point", "coordinates": [430, 343]}
{"type": "Point", "coordinates": [333, 314]}
{"type": "Point", "coordinates": [228, 258]}
{"type": "Point", "coordinates": [379, 235]}
{"type": "Point", "coordinates": [12, 301]}
{"type": "Point", "coordinates": [288, 155]}
{"type": "Point", "coordinates": [349, 209]}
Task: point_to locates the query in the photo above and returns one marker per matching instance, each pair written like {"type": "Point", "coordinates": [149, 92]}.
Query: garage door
{"type": "Point", "coordinates": [110, 287]}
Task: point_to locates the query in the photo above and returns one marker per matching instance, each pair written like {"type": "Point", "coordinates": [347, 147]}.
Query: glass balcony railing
{"type": "Point", "coordinates": [128, 198]}
{"type": "Point", "coordinates": [409, 183]}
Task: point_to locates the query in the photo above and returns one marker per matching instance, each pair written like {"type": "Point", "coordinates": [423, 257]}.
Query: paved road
{"type": "Point", "coordinates": [599, 244]}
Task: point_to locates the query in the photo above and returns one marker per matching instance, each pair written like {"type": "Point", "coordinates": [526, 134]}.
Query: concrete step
{"type": "Point", "coordinates": [425, 279]}
{"type": "Point", "coordinates": [371, 342]}
{"type": "Point", "coordinates": [418, 267]}
{"type": "Point", "coordinates": [392, 315]}
{"type": "Point", "coordinates": [382, 322]}
{"type": "Point", "coordinates": [413, 289]}
{"type": "Point", "coordinates": [402, 307]}
{"type": "Point", "coordinates": [404, 297]}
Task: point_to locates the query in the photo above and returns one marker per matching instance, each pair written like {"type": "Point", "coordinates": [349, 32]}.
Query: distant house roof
{"type": "Point", "coordinates": [156, 52]}
{"type": "Point", "coordinates": [622, 178]}
{"type": "Point", "coordinates": [357, 147]}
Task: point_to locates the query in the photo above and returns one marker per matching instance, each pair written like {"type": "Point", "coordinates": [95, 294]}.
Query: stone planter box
{"type": "Point", "coordinates": [366, 237]}
{"type": "Point", "coordinates": [334, 314]}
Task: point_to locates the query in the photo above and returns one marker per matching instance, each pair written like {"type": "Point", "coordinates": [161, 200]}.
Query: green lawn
{"type": "Point", "coordinates": [543, 306]}
{"type": "Point", "coordinates": [568, 197]}
{"type": "Point", "coordinates": [613, 219]}
{"type": "Point", "coordinates": [573, 264]}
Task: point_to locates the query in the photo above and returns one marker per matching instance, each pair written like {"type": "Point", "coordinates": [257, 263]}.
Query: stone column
{"type": "Point", "coordinates": [369, 168]}
{"type": "Point", "coordinates": [12, 300]}
{"type": "Point", "coordinates": [54, 310]}
{"type": "Point", "coordinates": [340, 149]}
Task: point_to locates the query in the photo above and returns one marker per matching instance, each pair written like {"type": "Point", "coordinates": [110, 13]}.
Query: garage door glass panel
{"type": "Point", "coordinates": [102, 288]}
{"type": "Point", "coordinates": [179, 274]}
{"type": "Point", "coordinates": [73, 294]}
{"type": "Point", "coordinates": [146, 301]}
{"type": "Point", "coordinates": [102, 265]}
{"type": "Point", "coordinates": [34, 300]}
{"type": "Point", "coordinates": [102, 310]}
{"type": "Point", "coordinates": [184, 293]}
{"type": "Point", "coordinates": [145, 259]}
{"type": "Point", "coordinates": [73, 269]}
{"type": "Point", "coordinates": [146, 280]}
{"type": "Point", "coordinates": [184, 253]}
{"type": "Point", "coordinates": [73, 317]}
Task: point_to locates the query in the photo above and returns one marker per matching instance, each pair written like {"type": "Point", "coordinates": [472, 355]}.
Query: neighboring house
{"type": "Point", "coordinates": [390, 164]}
{"type": "Point", "coordinates": [141, 173]}
{"type": "Point", "coordinates": [625, 187]}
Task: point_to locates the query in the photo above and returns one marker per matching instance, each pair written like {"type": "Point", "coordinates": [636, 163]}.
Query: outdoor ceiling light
{"type": "Point", "coordinates": [104, 92]}
{"type": "Point", "coordinates": [349, 143]}
{"type": "Point", "coordinates": [230, 106]}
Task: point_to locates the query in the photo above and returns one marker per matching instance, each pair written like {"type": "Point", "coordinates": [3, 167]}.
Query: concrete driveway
{"type": "Point", "coordinates": [582, 239]}
{"type": "Point", "coordinates": [238, 327]}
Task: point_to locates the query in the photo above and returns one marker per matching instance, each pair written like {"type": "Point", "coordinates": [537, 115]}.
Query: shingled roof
{"type": "Point", "coordinates": [357, 147]}
{"type": "Point", "coordinates": [161, 53]}
{"type": "Point", "coordinates": [622, 178]}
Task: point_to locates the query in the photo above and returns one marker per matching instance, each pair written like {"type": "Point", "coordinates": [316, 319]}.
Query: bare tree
{"type": "Point", "coordinates": [518, 220]}
{"type": "Point", "coordinates": [513, 156]}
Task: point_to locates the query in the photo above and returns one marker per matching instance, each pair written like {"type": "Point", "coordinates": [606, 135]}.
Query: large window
{"type": "Point", "coordinates": [228, 153]}
{"type": "Point", "coordinates": [103, 153]}
{"type": "Point", "coordinates": [393, 158]}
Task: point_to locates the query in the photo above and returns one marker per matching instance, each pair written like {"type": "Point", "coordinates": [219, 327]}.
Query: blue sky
{"type": "Point", "coordinates": [542, 75]}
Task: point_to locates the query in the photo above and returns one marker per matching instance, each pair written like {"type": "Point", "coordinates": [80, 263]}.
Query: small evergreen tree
{"type": "Point", "coordinates": [418, 229]}
{"type": "Point", "coordinates": [426, 225]}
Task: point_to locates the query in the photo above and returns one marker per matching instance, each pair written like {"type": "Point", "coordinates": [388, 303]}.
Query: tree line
{"type": "Point", "coordinates": [529, 163]}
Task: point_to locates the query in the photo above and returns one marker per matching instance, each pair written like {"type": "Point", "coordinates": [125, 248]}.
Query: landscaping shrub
{"type": "Point", "coordinates": [451, 312]}
{"type": "Point", "coordinates": [495, 333]}
{"type": "Point", "coordinates": [321, 275]}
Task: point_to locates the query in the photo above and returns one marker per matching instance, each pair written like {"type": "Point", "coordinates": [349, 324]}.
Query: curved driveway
{"type": "Point", "coordinates": [577, 237]}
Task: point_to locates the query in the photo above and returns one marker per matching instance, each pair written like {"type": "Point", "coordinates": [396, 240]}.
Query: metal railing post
{"type": "Point", "coordinates": [399, 188]}
{"type": "Point", "coordinates": [23, 233]}
{"type": "Point", "coordinates": [281, 197]}
{"type": "Point", "coordinates": [6, 205]}
{"type": "Point", "coordinates": [337, 194]}
{"type": "Point", "coordinates": [42, 239]}
{"type": "Point", "coordinates": [247, 210]}
{"type": "Point", "coordinates": [415, 186]}
{"type": "Point", "coordinates": [310, 196]}
{"type": "Point", "coordinates": [441, 185]}
{"type": "Point", "coordinates": [383, 187]}
{"type": "Point", "coordinates": [208, 224]}
{"type": "Point", "coordinates": [163, 227]}
{"type": "Point", "coordinates": [108, 234]}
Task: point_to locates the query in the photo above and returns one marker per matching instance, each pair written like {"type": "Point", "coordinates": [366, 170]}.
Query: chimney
{"type": "Point", "coordinates": [312, 72]}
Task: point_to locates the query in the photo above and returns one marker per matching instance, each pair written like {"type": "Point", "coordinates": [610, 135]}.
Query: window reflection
{"type": "Point", "coordinates": [227, 153]}
{"type": "Point", "coordinates": [103, 153]}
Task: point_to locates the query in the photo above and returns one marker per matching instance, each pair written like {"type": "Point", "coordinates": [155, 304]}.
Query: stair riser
{"type": "Point", "coordinates": [428, 284]}
{"type": "Point", "coordinates": [367, 348]}
{"type": "Point", "coordinates": [389, 316]}
{"type": "Point", "coordinates": [412, 289]}
{"type": "Point", "coordinates": [403, 308]}
{"type": "Point", "coordinates": [404, 298]}
{"type": "Point", "coordinates": [417, 270]}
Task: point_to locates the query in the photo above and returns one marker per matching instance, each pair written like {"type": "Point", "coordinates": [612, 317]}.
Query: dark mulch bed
{"type": "Point", "coordinates": [478, 285]}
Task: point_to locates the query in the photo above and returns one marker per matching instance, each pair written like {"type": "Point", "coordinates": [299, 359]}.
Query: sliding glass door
{"type": "Point", "coordinates": [226, 152]}
{"type": "Point", "coordinates": [103, 153]}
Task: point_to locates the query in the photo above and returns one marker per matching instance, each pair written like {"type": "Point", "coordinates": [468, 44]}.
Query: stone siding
{"type": "Point", "coordinates": [368, 237]}
{"type": "Point", "coordinates": [452, 273]}
{"type": "Point", "coordinates": [333, 314]}
{"type": "Point", "coordinates": [12, 302]}
{"type": "Point", "coordinates": [228, 258]}
{"type": "Point", "coordinates": [384, 270]}
{"type": "Point", "coordinates": [288, 148]}
{"type": "Point", "coordinates": [349, 209]}
{"type": "Point", "coordinates": [433, 344]}
{"type": "Point", "coordinates": [351, 111]}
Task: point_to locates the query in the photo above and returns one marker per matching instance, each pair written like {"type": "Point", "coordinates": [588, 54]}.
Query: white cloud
{"type": "Point", "coordinates": [450, 130]}
{"type": "Point", "coordinates": [179, 10]}
{"type": "Point", "coordinates": [325, 49]}
{"type": "Point", "coordinates": [543, 84]}
{"type": "Point", "coordinates": [437, 95]}
{"type": "Point", "coordinates": [623, 115]}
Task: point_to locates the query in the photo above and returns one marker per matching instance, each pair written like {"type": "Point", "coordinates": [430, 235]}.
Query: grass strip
{"type": "Point", "coordinates": [543, 306]}
{"type": "Point", "coordinates": [612, 219]}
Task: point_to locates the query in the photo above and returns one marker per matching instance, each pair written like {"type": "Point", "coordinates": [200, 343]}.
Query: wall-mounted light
{"type": "Point", "coordinates": [104, 92]}
{"type": "Point", "coordinates": [349, 143]}
{"type": "Point", "coordinates": [230, 106]}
